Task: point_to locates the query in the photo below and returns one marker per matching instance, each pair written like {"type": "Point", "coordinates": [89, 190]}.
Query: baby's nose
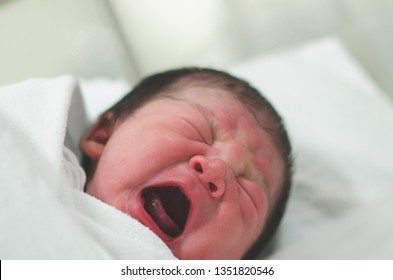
{"type": "Point", "coordinates": [211, 172]}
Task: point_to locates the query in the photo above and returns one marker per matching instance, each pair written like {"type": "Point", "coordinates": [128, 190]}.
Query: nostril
{"type": "Point", "coordinates": [198, 167]}
{"type": "Point", "coordinates": [210, 174]}
{"type": "Point", "coordinates": [212, 187]}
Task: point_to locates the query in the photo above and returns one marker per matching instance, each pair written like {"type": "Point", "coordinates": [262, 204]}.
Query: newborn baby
{"type": "Point", "coordinates": [196, 155]}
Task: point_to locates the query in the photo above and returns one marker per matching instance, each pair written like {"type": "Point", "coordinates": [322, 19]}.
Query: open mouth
{"type": "Point", "coordinates": [168, 207]}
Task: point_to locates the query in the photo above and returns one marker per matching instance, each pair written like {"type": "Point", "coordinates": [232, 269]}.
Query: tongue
{"type": "Point", "coordinates": [154, 207]}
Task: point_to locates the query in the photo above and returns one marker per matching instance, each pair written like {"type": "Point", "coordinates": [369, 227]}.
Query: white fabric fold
{"type": "Point", "coordinates": [43, 212]}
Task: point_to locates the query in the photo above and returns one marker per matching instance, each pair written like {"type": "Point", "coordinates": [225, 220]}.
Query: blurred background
{"type": "Point", "coordinates": [129, 39]}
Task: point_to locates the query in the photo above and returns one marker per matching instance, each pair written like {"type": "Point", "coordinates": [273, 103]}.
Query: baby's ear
{"type": "Point", "coordinates": [93, 141]}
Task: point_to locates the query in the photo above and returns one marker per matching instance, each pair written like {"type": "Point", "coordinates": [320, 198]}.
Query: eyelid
{"type": "Point", "coordinates": [245, 189]}
{"type": "Point", "coordinates": [197, 130]}
{"type": "Point", "coordinates": [252, 174]}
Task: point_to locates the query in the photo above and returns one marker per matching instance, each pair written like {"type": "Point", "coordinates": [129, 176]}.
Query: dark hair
{"type": "Point", "coordinates": [157, 84]}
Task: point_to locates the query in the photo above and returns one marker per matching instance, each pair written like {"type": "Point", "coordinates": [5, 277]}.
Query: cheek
{"type": "Point", "coordinates": [126, 164]}
{"type": "Point", "coordinates": [255, 204]}
{"type": "Point", "coordinates": [100, 190]}
{"type": "Point", "coordinates": [221, 239]}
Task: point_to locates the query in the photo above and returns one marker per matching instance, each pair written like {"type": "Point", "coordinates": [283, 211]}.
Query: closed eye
{"type": "Point", "coordinates": [243, 182]}
{"type": "Point", "coordinates": [196, 130]}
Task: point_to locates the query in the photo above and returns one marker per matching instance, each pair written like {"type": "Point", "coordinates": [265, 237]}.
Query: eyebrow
{"type": "Point", "coordinates": [206, 112]}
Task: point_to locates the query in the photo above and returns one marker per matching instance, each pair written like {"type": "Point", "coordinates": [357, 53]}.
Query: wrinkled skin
{"type": "Point", "coordinates": [208, 144]}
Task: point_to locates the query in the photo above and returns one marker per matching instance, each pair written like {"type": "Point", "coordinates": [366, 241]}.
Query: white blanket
{"type": "Point", "coordinates": [43, 212]}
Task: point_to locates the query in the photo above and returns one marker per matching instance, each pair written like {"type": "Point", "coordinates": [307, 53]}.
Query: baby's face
{"type": "Point", "coordinates": [196, 168]}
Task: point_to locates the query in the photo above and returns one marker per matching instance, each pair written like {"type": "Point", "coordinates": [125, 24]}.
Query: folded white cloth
{"type": "Point", "coordinates": [43, 212]}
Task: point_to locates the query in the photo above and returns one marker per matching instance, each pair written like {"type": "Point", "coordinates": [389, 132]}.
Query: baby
{"type": "Point", "coordinates": [199, 157]}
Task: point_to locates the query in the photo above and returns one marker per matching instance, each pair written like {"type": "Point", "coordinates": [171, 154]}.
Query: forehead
{"type": "Point", "coordinates": [210, 101]}
{"type": "Point", "coordinates": [220, 105]}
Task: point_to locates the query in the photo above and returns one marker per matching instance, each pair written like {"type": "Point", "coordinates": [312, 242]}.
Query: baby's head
{"type": "Point", "coordinates": [199, 157]}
